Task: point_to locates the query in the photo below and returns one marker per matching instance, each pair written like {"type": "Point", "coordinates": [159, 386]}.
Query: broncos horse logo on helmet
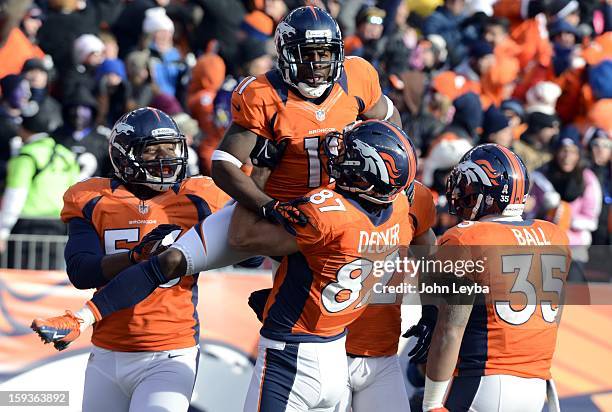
{"type": "Point", "coordinates": [136, 130]}
{"type": "Point", "coordinates": [309, 28]}
{"type": "Point", "coordinates": [489, 180]}
{"type": "Point", "coordinates": [373, 159]}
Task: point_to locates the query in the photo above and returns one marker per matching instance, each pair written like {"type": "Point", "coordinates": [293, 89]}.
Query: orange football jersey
{"type": "Point", "coordinates": [513, 331]}
{"type": "Point", "coordinates": [167, 319]}
{"type": "Point", "coordinates": [269, 108]}
{"type": "Point", "coordinates": [324, 287]}
{"type": "Point", "coordinates": [376, 332]}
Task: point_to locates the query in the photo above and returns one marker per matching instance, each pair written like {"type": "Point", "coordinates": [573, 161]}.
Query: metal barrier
{"type": "Point", "coordinates": [38, 252]}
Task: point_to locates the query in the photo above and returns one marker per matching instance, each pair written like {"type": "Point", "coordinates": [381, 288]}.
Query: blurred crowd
{"type": "Point", "coordinates": [535, 76]}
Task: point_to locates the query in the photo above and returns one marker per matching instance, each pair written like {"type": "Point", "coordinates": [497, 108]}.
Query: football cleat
{"type": "Point", "coordinates": [61, 330]}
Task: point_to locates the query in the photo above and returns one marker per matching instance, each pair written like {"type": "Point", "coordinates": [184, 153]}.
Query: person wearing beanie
{"type": "Point", "coordinates": [36, 181]}
{"type": "Point", "coordinates": [36, 72]}
{"type": "Point", "coordinates": [564, 190]}
{"type": "Point", "coordinates": [534, 146]}
{"type": "Point", "coordinates": [496, 128]}
{"type": "Point", "coordinates": [542, 98]}
{"type": "Point", "coordinates": [368, 41]}
{"type": "Point", "coordinates": [80, 134]}
{"type": "Point", "coordinates": [88, 54]}
{"type": "Point", "coordinates": [167, 66]}
{"type": "Point", "coordinates": [112, 91]}
{"type": "Point", "coordinates": [515, 113]}
{"type": "Point", "coordinates": [14, 101]}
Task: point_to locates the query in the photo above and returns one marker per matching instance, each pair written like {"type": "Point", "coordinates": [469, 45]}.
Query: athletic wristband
{"type": "Point", "coordinates": [434, 394]}
{"type": "Point", "coordinates": [226, 157]}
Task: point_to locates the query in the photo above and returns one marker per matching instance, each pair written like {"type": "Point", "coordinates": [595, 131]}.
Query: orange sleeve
{"type": "Point", "coordinates": [371, 92]}
{"type": "Point", "coordinates": [313, 235]}
{"type": "Point", "coordinates": [423, 209]}
{"type": "Point", "coordinates": [204, 187]}
{"type": "Point", "coordinates": [78, 196]}
{"type": "Point", "coordinates": [249, 108]}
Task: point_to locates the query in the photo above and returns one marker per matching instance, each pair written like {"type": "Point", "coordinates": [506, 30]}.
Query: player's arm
{"type": "Point", "coordinates": [384, 109]}
{"type": "Point", "coordinates": [444, 351]}
{"type": "Point", "coordinates": [87, 265]}
{"type": "Point", "coordinates": [252, 234]}
{"type": "Point", "coordinates": [233, 151]}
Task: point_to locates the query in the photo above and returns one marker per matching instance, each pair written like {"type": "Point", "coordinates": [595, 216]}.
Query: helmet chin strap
{"type": "Point", "coordinates": [312, 92]}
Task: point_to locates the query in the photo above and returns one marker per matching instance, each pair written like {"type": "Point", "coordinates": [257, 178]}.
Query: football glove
{"type": "Point", "coordinates": [151, 244]}
{"type": "Point", "coordinates": [257, 302]}
{"type": "Point", "coordinates": [285, 213]}
{"type": "Point", "coordinates": [423, 331]}
{"type": "Point", "coordinates": [266, 153]}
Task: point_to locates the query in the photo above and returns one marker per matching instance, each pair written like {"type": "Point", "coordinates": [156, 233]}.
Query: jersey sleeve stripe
{"type": "Point", "coordinates": [200, 205]}
{"type": "Point", "coordinates": [89, 207]}
{"type": "Point", "coordinates": [244, 84]}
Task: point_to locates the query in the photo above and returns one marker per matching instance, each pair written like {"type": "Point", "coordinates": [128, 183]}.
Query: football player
{"type": "Point", "coordinates": [501, 350]}
{"type": "Point", "coordinates": [314, 91]}
{"type": "Point", "coordinates": [323, 283]}
{"type": "Point", "coordinates": [375, 375]}
{"type": "Point", "coordinates": [144, 357]}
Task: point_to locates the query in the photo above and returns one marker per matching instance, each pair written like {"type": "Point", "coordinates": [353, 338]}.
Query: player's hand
{"type": "Point", "coordinates": [285, 213]}
{"type": "Point", "coordinates": [266, 153]}
{"type": "Point", "coordinates": [257, 302]}
{"type": "Point", "coordinates": [442, 409]}
{"type": "Point", "coordinates": [423, 331]}
{"type": "Point", "coordinates": [151, 244]}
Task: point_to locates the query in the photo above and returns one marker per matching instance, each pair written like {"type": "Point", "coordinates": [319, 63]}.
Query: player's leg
{"type": "Point", "coordinates": [103, 390]}
{"type": "Point", "coordinates": [273, 376]}
{"type": "Point", "coordinates": [297, 377]}
{"type": "Point", "coordinates": [384, 386]}
{"type": "Point", "coordinates": [168, 382]}
{"type": "Point", "coordinates": [355, 372]}
{"type": "Point", "coordinates": [496, 393]}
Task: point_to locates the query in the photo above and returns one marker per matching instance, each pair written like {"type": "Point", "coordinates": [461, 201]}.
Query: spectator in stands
{"type": "Point", "coordinates": [496, 128]}
{"type": "Point", "coordinates": [16, 47]}
{"type": "Point", "coordinates": [567, 193]}
{"type": "Point", "coordinates": [496, 33]}
{"type": "Point", "coordinates": [15, 99]}
{"type": "Point", "coordinates": [36, 72]}
{"type": "Point", "coordinates": [366, 42]}
{"type": "Point", "coordinates": [446, 21]}
{"type": "Point", "coordinates": [467, 120]}
{"type": "Point", "coordinates": [80, 134]}
{"type": "Point", "coordinates": [88, 54]}
{"type": "Point", "coordinates": [111, 48]}
{"type": "Point", "coordinates": [206, 80]}
{"type": "Point", "coordinates": [31, 23]}
{"type": "Point", "coordinates": [64, 22]}
{"type": "Point", "coordinates": [166, 64]}
{"type": "Point", "coordinates": [36, 181]}
{"type": "Point", "coordinates": [534, 145]}
{"type": "Point", "coordinates": [112, 91]}
{"type": "Point", "coordinates": [515, 113]}
{"type": "Point", "coordinates": [189, 127]}
{"type": "Point", "coordinates": [600, 157]}
{"type": "Point", "coordinates": [141, 89]}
